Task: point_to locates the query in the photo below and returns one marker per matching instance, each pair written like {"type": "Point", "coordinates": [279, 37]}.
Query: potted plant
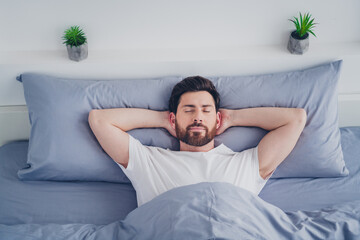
{"type": "Point", "coordinates": [299, 39]}
{"type": "Point", "coordinates": [76, 43]}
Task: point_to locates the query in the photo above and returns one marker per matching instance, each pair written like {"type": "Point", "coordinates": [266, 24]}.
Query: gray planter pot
{"type": "Point", "coordinates": [77, 53]}
{"type": "Point", "coordinates": [296, 45]}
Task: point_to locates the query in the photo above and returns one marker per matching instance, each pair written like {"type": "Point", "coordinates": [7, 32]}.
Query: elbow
{"type": "Point", "coordinates": [301, 116]}
{"type": "Point", "coordinates": [93, 117]}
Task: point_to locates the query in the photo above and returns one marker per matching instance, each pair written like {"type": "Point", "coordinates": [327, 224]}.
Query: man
{"type": "Point", "coordinates": [194, 118]}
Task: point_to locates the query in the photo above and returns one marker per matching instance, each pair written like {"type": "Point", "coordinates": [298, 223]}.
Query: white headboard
{"type": "Point", "coordinates": [14, 120]}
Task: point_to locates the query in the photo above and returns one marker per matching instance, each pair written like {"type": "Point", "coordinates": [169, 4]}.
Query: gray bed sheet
{"type": "Point", "coordinates": [57, 202]}
{"type": "Point", "coordinates": [102, 203]}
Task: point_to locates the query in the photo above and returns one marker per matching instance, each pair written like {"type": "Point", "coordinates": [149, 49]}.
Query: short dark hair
{"type": "Point", "coordinates": [192, 84]}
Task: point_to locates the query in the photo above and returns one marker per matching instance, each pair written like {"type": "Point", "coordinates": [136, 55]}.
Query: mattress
{"type": "Point", "coordinates": [101, 203]}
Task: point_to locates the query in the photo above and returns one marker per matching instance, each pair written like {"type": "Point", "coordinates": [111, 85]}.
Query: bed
{"type": "Point", "coordinates": [301, 200]}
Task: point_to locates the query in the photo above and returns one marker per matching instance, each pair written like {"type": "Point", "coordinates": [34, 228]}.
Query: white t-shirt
{"type": "Point", "coordinates": [154, 170]}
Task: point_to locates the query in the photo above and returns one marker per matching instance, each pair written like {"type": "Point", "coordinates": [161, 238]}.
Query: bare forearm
{"type": "Point", "coordinates": [268, 118]}
{"type": "Point", "coordinates": [130, 118]}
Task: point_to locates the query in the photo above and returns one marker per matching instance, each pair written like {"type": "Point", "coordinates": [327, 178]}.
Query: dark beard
{"type": "Point", "coordinates": [196, 139]}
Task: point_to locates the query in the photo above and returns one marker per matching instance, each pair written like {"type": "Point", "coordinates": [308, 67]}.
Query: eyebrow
{"type": "Point", "coordinates": [193, 106]}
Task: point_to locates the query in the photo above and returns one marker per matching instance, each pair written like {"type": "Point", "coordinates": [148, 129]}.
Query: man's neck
{"type": "Point", "coordinates": [190, 148]}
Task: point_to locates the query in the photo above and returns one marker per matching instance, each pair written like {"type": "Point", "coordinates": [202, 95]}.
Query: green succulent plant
{"type": "Point", "coordinates": [74, 36]}
{"type": "Point", "coordinates": [304, 25]}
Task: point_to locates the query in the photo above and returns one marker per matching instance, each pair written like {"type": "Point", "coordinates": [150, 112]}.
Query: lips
{"type": "Point", "coordinates": [197, 128]}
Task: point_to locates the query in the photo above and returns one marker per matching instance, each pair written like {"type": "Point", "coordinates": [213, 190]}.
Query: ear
{"type": "Point", "coordinates": [172, 120]}
{"type": "Point", "coordinates": [218, 120]}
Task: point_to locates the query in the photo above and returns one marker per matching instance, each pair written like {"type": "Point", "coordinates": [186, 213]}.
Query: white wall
{"type": "Point", "coordinates": [120, 24]}
{"type": "Point", "coordinates": [166, 37]}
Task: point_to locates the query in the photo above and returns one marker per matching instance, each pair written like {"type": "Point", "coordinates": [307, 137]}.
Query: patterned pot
{"type": "Point", "coordinates": [297, 45]}
{"type": "Point", "coordinates": [77, 53]}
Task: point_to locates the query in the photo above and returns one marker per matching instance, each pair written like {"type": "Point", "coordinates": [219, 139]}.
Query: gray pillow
{"type": "Point", "coordinates": [62, 146]}
{"type": "Point", "coordinates": [318, 152]}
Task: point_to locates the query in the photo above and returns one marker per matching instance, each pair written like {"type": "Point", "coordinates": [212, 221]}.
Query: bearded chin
{"type": "Point", "coordinates": [195, 138]}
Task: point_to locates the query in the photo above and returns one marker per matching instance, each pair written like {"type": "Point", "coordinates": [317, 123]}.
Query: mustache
{"type": "Point", "coordinates": [196, 125]}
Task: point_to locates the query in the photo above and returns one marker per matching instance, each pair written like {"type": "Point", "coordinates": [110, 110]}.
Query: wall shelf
{"type": "Point", "coordinates": [327, 50]}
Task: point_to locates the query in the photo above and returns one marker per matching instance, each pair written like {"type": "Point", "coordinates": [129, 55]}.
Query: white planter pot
{"type": "Point", "coordinates": [296, 45]}
{"type": "Point", "coordinates": [77, 53]}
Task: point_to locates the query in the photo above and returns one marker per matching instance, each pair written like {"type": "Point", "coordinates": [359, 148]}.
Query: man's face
{"type": "Point", "coordinates": [196, 119]}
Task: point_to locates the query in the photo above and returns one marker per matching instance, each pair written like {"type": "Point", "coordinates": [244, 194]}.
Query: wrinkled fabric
{"type": "Point", "coordinates": [207, 211]}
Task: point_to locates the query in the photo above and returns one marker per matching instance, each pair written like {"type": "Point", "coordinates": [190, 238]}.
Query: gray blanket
{"type": "Point", "coordinates": [206, 211]}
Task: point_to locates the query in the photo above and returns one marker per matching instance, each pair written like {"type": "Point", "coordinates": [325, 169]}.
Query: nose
{"type": "Point", "coordinates": [198, 118]}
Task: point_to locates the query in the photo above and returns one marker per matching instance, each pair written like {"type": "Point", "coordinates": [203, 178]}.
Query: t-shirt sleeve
{"type": "Point", "coordinates": [138, 160]}
{"type": "Point", "coordinates": [250, 175]}
{"type": "Point", "coordinates": [260, 182]}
